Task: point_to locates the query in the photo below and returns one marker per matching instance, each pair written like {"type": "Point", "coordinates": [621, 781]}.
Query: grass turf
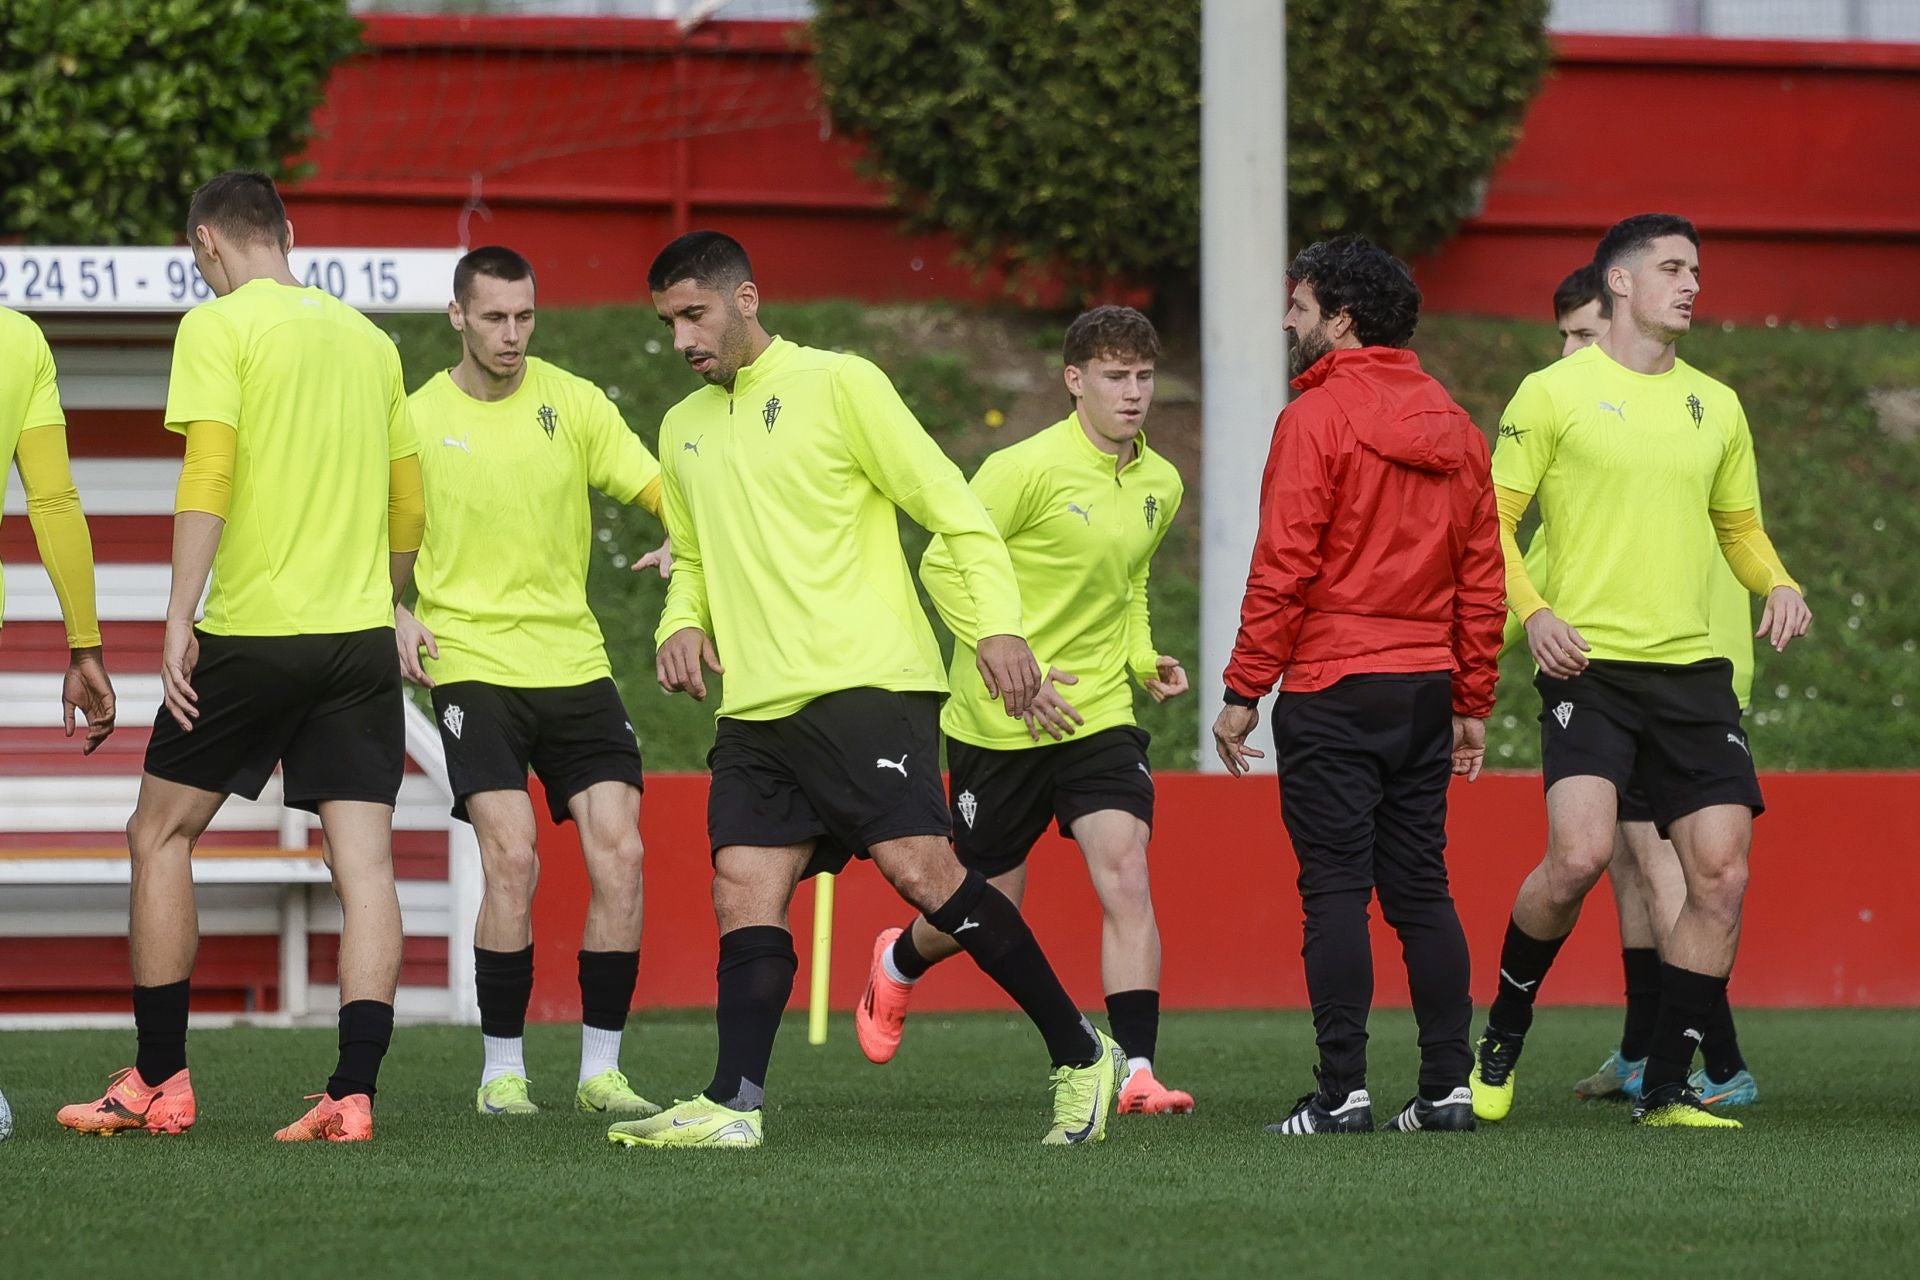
{"type": "Point", "coordinates": [932, 1166]}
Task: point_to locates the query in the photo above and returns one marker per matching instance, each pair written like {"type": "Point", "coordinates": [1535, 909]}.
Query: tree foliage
{"type": "Point", "coordinates": [1064, 135]}
{"type": "Point", "coordinates": [113, 111]}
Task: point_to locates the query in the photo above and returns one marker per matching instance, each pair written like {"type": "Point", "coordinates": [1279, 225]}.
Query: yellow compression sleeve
{"type": "Point", "coordinates": [649, 499]}
{"type": "Point", "coordinates": [60, 530]}
{"type": "Point", "coordinates": [406, 505]}
{"type": "Point", "coordinates": [1750, 552]}
{"type": "Point", "coordinates": [206, 475]}
{"type": "Point", "coordinates": [1522, 599]}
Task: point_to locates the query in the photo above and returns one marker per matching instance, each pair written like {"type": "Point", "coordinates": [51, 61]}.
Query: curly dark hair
{"type": "Point", "coordinates": [1118, 333]}
{"type": "Point", "coordinates": [1352, 274]}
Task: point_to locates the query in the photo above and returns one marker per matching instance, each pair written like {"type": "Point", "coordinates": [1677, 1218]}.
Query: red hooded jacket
{"type": "Point", "coordinates": [1379, 546]}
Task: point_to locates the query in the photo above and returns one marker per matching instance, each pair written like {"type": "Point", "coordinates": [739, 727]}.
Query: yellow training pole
{"type": "Point", "coordinates": [822, 957]}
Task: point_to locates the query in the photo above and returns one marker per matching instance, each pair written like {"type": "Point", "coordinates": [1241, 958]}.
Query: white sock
{"type": "Point", "coordinates": [505, 1057]}
{"type": "Point", "coordinates": [599, 1051]}
{"type": "Point", "coordinates": [886, 967]}
{"type": "Point", "coordinates": [1139, 1064]}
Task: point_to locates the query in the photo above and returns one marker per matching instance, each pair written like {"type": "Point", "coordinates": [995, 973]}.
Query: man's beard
{"type": "Point", "coordinates": [1305, 349]}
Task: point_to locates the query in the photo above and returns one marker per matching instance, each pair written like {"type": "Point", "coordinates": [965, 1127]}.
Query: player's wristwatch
{"type": "Point", "coordinates": [1233, 699]}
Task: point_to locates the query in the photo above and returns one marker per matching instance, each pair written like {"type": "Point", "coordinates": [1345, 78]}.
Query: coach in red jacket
{"type": "Point", "coordinates": [1376, 600]}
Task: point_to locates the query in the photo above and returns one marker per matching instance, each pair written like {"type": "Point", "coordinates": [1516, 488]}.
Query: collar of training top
{"type": "Point", "coordinates": [764, 366]}
{"type": "Point", "coordinates": [1092, 453]}
{"type": "Point", "coordinates": [1353, 360]}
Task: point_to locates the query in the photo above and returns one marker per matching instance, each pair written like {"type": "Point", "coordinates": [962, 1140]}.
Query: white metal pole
{"type": "Point", "coordinates": [1243, 289]}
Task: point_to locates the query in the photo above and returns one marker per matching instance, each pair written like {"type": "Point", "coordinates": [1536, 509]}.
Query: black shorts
{"type": "Point", "coordinates": [328, 706]}
{"type": "Point", "coordinates": [1635, 805]}
{"type": "Point", "coordinates": [848, 770]}
{"type": "Point", "coordinates": [1671, 732]}
{"type": "Point", "coordinates": [573, 737]}
{"type": "Point", "coordinates": [1003, 800]}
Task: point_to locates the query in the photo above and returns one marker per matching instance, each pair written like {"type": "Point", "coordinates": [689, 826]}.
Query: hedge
{"type": "Point", "coordinates": [113, 111]}
{"type": "Point", "coordinates": [1064, 135]}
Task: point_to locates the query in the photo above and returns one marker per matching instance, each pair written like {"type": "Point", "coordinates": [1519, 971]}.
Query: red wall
{"type": "Point", "coordinates": [1787, 155]}
{"type": "Point", "coordinates": [591, 141]}
{"type": "Point", "coordinates": [1832, 913]}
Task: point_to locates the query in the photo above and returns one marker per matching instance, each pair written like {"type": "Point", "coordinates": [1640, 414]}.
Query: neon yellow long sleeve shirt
{"type": "Point", "coordinates": [1081, 536]}
{"type": "Point", "coordinates": [780, 497]}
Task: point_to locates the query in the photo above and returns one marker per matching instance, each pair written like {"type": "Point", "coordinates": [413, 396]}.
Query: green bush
{"type": "Point", "coordinates": [113, 111]}
{"type": "Point", "coordinates": [1064, 135]}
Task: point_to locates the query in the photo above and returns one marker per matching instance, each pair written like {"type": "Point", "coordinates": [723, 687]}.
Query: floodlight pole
{"type": "Point", "coordinates": [1243, 289]}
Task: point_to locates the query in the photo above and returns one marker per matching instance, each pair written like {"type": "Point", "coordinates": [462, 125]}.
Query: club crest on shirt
{"type": "Point", "coordinates": [1152, 508]}
{"type": "Point", "coordinates": [548, 419]}
{"type": "Point", "coordinates": [969, 808]}
{"type": "Point", "coordinates": [1696, 409]}
{"type": "Point", "coordinates": [770, 413]}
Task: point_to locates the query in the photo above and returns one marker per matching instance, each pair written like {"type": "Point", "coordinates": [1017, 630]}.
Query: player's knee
{"type": "Point", "coordinates": [1718, 886]}
{"type": "Point", "coordinates": [512, 871]}
{"type": "Point", "coordinates": [1126, 894]}
{"type": "Point", "coordinates": [617, 882]}
{"type": "Point", "coordinates": [149, 838]}
{"type": "Point", "coordinates": [622, 851]}
{"type": "Point", "coordinates": [925, 882]}
{"type": "Point", "coordinates": [1575, 866]}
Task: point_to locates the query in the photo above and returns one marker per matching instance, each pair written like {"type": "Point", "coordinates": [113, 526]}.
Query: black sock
{"type": "Point", "coordinates": [606, 987]}
{"type": "Point", "coordinates": [1135, 1019]}
{"type": "Point", "coordinates": [1524, 962]}
{"type": "Point", "coordinates": [755, 975]}
{"type": "Point", "coordinates": [503, 984]}
{"type": "Point", "coordinates": [160, 1022]}
{"type": "Point", "coordinates": [989, 927]}
{"type": "Point", "coordinates": [1642, 966]}
{"type": "Point", "coordinates": [366, 1029]}
{"type": "Point", "coordinates": [907, 958]}
{"type": "Point", "coordinates": [1686, 1003]}
{"type": "Point", "coordinates": [1721, 1048]}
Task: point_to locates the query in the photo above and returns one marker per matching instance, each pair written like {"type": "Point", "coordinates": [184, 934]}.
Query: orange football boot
{"type": "Point", "coordinates": [881, 1015]}
{"type": "Point", "coordinates": [349, 1119]}
{"type": "Point", "coordinates": [1142, 1095]}
{"type": "Point", "coordinates": [132, 1103]}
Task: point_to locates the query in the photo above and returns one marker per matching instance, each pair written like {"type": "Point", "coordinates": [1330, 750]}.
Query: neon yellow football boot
{"type": "Point", "coordinates": [610, 1092]}
{"type": "Point", "coordinates": [1492, 1079]}
{"type": "Point", "coordinates": [1083, 1096]}
{"type": "Point", "coordinates": [697, 1122]}
{"type": "Point", "coordinates": [1677, 1106]}
{"type": "Point", "coordinates": [505, 1096]}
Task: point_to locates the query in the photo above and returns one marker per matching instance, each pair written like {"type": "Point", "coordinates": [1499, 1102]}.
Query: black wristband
{"type": "Point", "coordinates": [1234, 699]}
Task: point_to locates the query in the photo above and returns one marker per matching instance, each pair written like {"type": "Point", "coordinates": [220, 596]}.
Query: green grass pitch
{"type": "Point", "coordinates": [931, 1166]}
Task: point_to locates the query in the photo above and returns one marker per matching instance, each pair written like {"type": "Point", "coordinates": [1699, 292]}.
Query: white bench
{"type": "Point", "coordinates": [81, 914]}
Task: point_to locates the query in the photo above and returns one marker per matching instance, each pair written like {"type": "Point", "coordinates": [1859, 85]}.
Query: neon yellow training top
{"type": "Point", "coordinates": [314, 394]}
{"type": "Point", "coordinates": [780, 497]}
{"type": "Point", "coordinates": [503, 570]}
{"type": "Point", "coordinates": [1628, 469]}
{"type": "Point", "coordinates": [1081, 537]}
{"type": "Point", "coordinates": [33, 435]}
{"type": "Point", "coordinates": [1729, 613]}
